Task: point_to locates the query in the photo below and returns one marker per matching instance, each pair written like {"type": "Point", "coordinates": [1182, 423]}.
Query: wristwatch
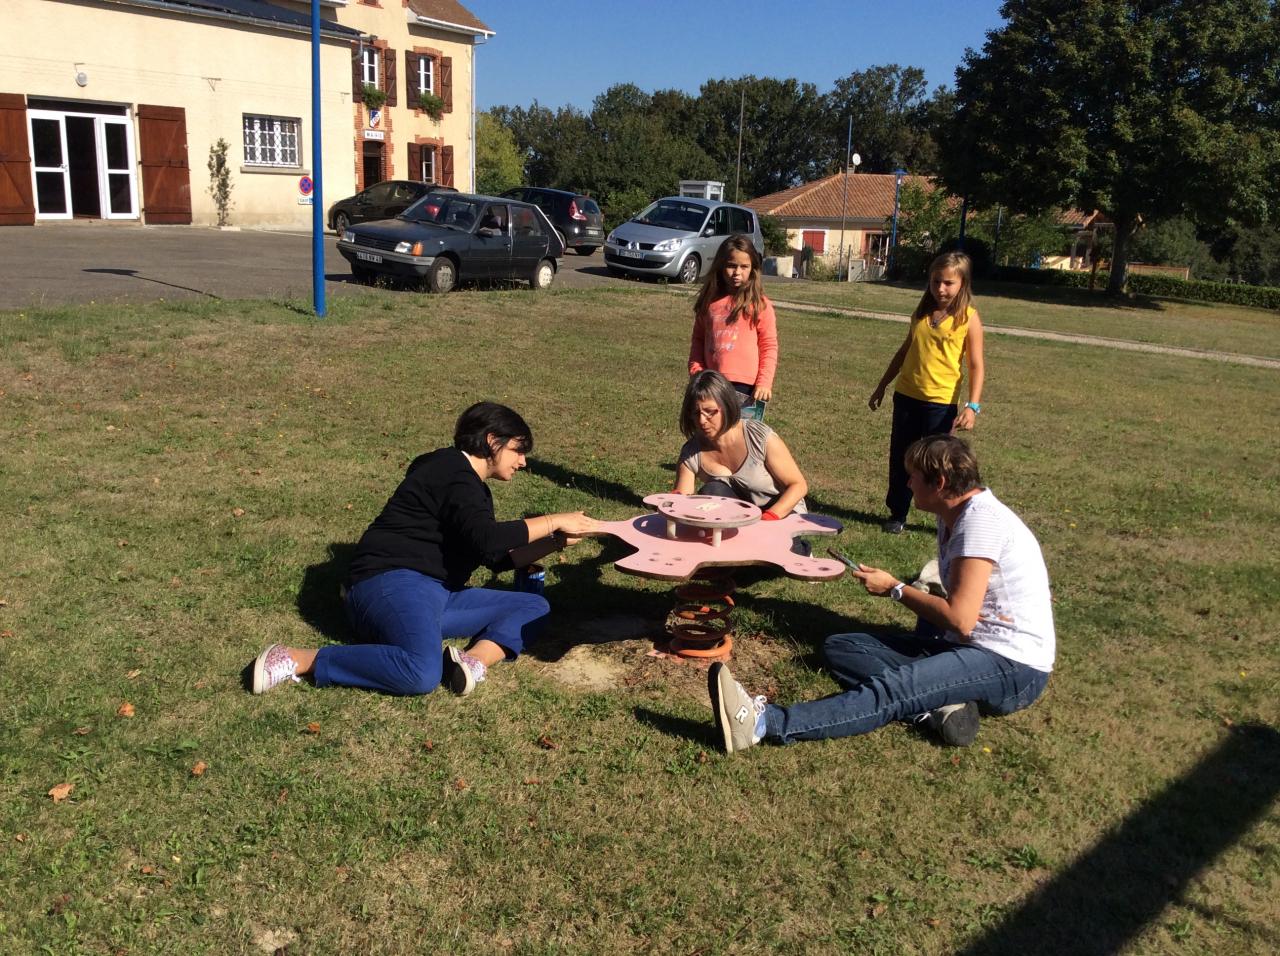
{"type": "Point", "coordinates": [977, 409]}
{"type": "Point", "coordinates": [895, 592]}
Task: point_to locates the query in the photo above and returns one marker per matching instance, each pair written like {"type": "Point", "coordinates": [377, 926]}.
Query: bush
{"type": "Point", "coordinates": [1158, 286]}
{"type": "Point", "coordinates": [775, 236]}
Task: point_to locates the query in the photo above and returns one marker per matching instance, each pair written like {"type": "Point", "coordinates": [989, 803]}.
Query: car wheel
{"type": "Point", "coordinates": [340, 223]}
{"type": "Point", "coordinates": [586, 250]}
{"type": "Point", "coordinates": [543, 273]}
{"type": "Point", "coordinates": [689, 269]}
{"type": "Point", "coordinates": [443, 275]}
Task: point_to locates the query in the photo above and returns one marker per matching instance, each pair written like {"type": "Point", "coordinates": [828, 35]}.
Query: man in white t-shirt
{"type": "Point", "coordinates": [994, 643]}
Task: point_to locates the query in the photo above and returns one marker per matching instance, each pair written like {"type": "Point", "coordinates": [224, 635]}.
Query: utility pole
{"type": "Point", "coordinates": [742, 110]}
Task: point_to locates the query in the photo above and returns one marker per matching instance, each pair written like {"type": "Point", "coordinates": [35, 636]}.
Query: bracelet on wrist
{"type": "Point", "coordinates": [977, 409]}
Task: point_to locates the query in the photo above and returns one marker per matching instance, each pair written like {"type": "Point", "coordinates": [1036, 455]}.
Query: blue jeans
{"type": "Point", "coordinates": [912, 420]}
{"type": "Point", "coordinates": [401, 619]}
{"type": "Point", "coordinates": [893, 678]}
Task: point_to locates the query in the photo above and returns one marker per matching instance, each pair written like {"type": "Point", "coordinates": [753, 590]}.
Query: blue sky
{"type": "Point", "coordinates": [568, 51]}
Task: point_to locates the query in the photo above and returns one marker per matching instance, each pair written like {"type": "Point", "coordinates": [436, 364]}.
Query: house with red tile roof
{"type": "Point", "coordinates": [853, 210]}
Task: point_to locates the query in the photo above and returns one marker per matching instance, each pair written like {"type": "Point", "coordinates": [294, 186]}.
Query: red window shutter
{"type": "Point", "coordinates": [166, 178]}
{"type": "Point", "coordinates": [389, 75]}
{"type": "Point", "coordinates": [445, 177]}
{"type": "Point", "coordinates": [411, 78]}
{"type": "Point", "coordinates": [357, 74]}
{"type": "Point", "coordinates": [415, 162]}
{"type": "Point", "coordinates": [17, 204]}
{"type": "Point", "coordinates": [446, 82]}
{"type": "Point", "coordinates": [816, 240]}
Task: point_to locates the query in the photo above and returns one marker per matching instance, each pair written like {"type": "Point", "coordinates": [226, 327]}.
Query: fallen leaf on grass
{"type": "Point", "coordinates": [122, 543]}
{"type": "Point", "coordinates": [133, 673]}
{"type": "Point", "coordinates": [148, 870]}
{"type": "Point", "coordinates": [546, 743]}
{"type": "Point", "coordinates": [879, 910]}
{"type": "Point", "coordinates": [1228, 722]}
{"type": "Point", "coordinates": [20, 837]}
{"type": "Point", "coordinates": [238, 512]}
{"type": "Point", "coordinates": [702, 756]}
{"type": "Point", "coordinates": [61, 791]}
{"type": "Point", "coordinates": [531, 781]}
{"type": "Point", "coordinates": [125, 710]}
{"type": "Point", "coordinates": [199, 769]}
{"type": "Point", "coordinates": [59, 904]}
{"type": "Point", "coordinates": [313, 728]}
{"type": "Point", "coordinates": [81, 731]}
{"type": "Point", "coordinates": [933, 922]}
{"type": "Point", "coordinates": [200, 684]}
{"type": "Point", "coordinates": [282, 796]}
{"type": "Point", "coordinates": [4, 602]}
{"type": "Point", "coordinates": [461, 784]}
{"type": "Point", "coordinates": [6, 633]}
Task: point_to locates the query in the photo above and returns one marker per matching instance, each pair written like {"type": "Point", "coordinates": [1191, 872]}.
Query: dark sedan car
{"type": "Point", "coordinates": [577, 218]}
{"type": "Point", "coordinates": [381, 201]}
{"type": "Point", "coordinates": [447, 238]}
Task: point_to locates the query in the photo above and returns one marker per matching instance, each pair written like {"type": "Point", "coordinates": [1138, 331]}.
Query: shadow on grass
{"type": "Point", "coordinates": [596, 487]}
{"type": "Point", "coordinates": [1102, 902]}
{"type": "Point", "coordinates": [1055, 295]}
{"type": "Point", "coordinates": [698, 731]}
{"type": "Point", "coordinates": [319, 599]}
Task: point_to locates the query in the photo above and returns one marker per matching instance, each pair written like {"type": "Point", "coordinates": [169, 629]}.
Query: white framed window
{"type": "Point", "coordinates": [428, 164]}
{"type": "Point", "coordinates": [272, 140]}
{"type": "Point", "coordinates": [369, 66]}
{"type": "Point", "coordinates": [426, 74]}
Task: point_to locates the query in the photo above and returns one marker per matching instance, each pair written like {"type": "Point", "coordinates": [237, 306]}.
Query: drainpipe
{"type": "Point", "coordinates": [475, 42]}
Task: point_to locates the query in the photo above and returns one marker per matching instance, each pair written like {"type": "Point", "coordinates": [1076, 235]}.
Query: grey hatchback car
{"type": "Point", "coordinates": [677, 237]}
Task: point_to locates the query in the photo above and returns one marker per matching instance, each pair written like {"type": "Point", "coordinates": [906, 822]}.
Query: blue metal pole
{"type": "Point", "coordinates": [317, 175]}
{"type": "Point", "coordinates": [893, 232]}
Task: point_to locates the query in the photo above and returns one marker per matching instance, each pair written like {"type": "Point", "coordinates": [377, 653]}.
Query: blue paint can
{"type": "Point", "coordinates": [531, 580]}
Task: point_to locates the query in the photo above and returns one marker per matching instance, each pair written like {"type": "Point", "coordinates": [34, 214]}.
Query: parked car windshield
{"type": "Point", "coordinates": [443, 210]}
{"type": "Point", "coordinates": [673, 214]}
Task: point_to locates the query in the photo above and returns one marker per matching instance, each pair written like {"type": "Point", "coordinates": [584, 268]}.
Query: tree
{"type": "Point", "coordinates": [892, 119]}
{"type": "Point", "coordinates": [499, 165]}
{"type": "Point", "coordinates": [1173, 243]}
{"type": "Point", "coordinates": [927, 220]}
{"type": "Point", "coordinates": [784, 133]}
{"type": "Point", "coordinates": [1145, 110]}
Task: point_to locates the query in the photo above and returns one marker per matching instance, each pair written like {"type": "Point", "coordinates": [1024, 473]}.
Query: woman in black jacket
{"type": "Point", "coordinates": [407, 593]}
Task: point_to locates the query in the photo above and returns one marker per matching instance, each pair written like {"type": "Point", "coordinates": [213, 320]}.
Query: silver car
{"type": "Point", "coordinates": [677, 237]}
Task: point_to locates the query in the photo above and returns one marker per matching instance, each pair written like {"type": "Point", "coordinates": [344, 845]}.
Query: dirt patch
{"type": "Point", "coordinates": [624, 651]}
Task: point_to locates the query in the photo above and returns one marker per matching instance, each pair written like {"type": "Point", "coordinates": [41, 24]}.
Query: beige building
{"type": "Point", "coordinates": [113, 113]}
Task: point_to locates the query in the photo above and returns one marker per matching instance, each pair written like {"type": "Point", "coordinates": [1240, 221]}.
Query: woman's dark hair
{"type": "Point", "coordinates": [713, 385]}
{"type": "Point", "coordinates": [945, 457]}
{"type": "Point", "coordinates": [477, 423]}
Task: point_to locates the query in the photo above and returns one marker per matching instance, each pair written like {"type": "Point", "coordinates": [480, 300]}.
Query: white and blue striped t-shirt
{"type": "Point", "coordinates": [1016, 617]}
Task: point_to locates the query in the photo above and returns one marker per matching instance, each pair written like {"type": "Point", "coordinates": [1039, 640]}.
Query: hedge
{"type": "Point", "coordinates": [1159, 286]}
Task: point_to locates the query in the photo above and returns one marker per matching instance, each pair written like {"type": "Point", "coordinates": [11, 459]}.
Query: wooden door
{"type": "Point", "coordinates": [17, 205]}
{"type": "Point", "coordinates": [166, 177]}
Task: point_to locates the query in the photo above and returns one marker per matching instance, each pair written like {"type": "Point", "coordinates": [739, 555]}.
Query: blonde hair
{"type": "Point", "coordinates": [750, 299]}
{"type": "Point", "coordinates": [957, 262]}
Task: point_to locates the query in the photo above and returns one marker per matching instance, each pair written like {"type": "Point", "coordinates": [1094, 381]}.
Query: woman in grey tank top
{"type": "Point", "coordinates": [732, 456]}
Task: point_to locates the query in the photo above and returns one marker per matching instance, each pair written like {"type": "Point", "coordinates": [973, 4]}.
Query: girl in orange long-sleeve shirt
{"type": "Point", "coordinates": [735, 331]}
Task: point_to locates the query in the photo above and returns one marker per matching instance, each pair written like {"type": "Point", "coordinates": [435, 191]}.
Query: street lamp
{"type": "Point", "coordinates": [893, 232]}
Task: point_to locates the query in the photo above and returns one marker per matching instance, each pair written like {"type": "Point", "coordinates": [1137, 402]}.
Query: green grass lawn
{"type": "Point", "coordinates": [181, 484]}
{"type": "Point", "coordinates": [1197, 325]}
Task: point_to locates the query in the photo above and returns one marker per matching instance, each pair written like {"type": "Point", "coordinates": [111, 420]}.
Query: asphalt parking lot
{"type": "Point", "coordinates": [69, 263]}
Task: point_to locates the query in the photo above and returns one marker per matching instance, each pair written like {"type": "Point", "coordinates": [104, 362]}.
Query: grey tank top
{"type": "Point", "coordinates": [752, 482]}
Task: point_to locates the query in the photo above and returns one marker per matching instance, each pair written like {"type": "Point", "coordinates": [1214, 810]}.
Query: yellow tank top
{"type": "Point", "coordinates": [933, 367]}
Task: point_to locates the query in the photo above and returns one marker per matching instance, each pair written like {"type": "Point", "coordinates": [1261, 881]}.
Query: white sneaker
{"type": "Point", "coordinates": [739, 716]}
{"type": "Point", "coordinates": [273, 666]}
{"type": "Point", "coordinates": [462, 671]}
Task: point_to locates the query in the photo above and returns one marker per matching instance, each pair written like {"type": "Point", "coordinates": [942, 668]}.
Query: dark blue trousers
{"type": "Point", "coordinates": [912, 420]}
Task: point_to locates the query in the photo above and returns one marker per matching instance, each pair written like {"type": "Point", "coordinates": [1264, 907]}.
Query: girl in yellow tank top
{"type": "Point", "coordinates": [945, 332]}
